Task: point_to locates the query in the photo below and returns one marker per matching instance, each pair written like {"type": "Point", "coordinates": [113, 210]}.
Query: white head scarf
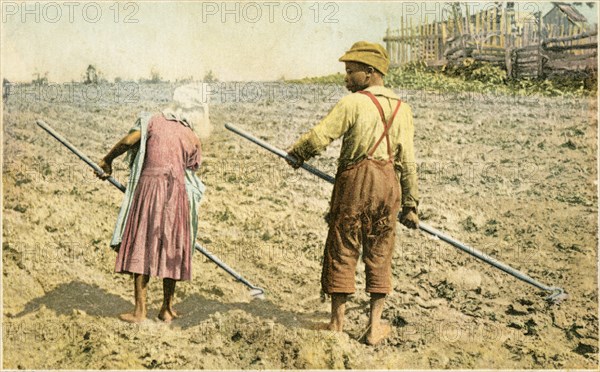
{"type": "Point", "coordinates": [191, 101]}
{"type": "Point", "coordinates": [191, 96]}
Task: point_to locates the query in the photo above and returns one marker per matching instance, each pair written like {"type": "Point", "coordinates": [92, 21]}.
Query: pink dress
{"type": "Point", "coordinates": [157, 236]}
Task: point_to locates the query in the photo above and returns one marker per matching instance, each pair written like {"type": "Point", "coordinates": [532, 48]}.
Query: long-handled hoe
{"type": "Point", "coordinates": [556, 294]}
{"type": "Point", "coordinates": [255, 291]}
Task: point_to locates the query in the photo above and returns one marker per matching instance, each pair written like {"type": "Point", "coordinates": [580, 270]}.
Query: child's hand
{"type": "Point", "coordinates": [106, 167]}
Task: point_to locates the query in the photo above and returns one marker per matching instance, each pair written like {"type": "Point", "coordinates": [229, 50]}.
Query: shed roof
{"type": "Point", "coordinates": [571, 12]}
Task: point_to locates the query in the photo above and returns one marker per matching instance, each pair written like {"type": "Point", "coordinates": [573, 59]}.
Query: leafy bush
{"type": "Point", "coordinates": [487, 73]}
{"type": "Point", "coordinates": [470, 69]}
{"type": "Point", "coordinates": [473, 76]}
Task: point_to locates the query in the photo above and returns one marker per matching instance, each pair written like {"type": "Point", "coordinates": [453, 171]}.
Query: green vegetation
{"type": "Point", "coordinates": [473, 76]}
{"type": "Point", "coordinates": [329, 79]}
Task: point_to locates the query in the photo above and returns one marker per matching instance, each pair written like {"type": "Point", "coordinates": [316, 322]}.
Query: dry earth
{"type": "Point", "coordinates": [513, 177]}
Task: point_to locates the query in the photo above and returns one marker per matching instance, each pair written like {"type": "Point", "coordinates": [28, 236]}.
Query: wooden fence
{"type": "Point", "coordinates": [523, 45]}
{"type": "Point", "coordinates": [423, 42]}
{"type": "Point", "coordinates": [577, 52]}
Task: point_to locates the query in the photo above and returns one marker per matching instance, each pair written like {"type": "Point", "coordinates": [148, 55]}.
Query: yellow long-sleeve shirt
{"type": "Point", "coordinates": [357, 119]}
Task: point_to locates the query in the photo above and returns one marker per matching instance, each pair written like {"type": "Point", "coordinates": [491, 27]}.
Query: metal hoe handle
{"type": "Point", "coordinates": [81, 156]}
{"type": "Point", "coordinates": [557, 293]}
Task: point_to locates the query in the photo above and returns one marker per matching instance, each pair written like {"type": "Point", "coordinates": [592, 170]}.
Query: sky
{"type": "Point", "coordinates": [235, 40]}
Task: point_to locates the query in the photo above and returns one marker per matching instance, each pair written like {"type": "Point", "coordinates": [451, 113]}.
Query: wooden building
{"type": "Point", "coordinates": [564, 19]}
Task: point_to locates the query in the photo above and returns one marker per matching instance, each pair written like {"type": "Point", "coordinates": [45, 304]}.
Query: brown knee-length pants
{"type": "Point", "coordinates": [364, 206]}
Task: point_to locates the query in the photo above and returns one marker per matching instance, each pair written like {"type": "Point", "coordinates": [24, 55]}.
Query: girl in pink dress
{"type": "Point", "coordinates": [157, 237]}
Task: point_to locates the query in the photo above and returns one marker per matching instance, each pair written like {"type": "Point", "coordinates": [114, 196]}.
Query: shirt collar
{"type": "Point", "coordinates": [380, 90]}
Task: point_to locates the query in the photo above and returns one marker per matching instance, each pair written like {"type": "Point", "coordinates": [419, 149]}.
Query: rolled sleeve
{"type": "Point", "coordinates": [332, 127]}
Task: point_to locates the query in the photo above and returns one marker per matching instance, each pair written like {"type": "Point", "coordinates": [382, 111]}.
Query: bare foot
{"type": "Point", "coordinates": [378, 334]}
{"type": "Point", "coordinates": [326, 327]}
{"type": "Point", "coordinates": [167, 315]}
{"type": "Point", "coordinates": [132, 317]}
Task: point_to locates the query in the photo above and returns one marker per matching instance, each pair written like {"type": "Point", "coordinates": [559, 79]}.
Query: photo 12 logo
{"type": "Point", "coordinates": [98, 94]}
{"type": "Point", "coordinates": [70, 11]}
{"type": "Point", "coordinates": [439, 11]}
{"type": "Point", "coordinates": [253, 12]}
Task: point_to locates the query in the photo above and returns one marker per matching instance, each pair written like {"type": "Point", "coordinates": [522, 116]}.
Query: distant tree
{"type": "Point", "coordinates": [5, 89]}
{"type": "Point", "coordinates": [210, 77]}
{"type": "Point", "coordinates": [155, 77]}
{"type": "Point", "coordinates": [39, 79]}
{"type": "Point", "coordinates": [91, 75]}
{"type": "Point", "coordinates": [118, 80]}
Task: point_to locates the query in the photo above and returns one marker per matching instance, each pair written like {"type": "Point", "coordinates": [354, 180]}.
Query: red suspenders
{"type": "Point", "coordinates": [386, 126]}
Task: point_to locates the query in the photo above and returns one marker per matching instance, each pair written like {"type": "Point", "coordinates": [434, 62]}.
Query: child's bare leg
{"type": "Point", "coordinates": [338, 308]}
{"type": "Point", "coordinates": [167, 313]}
{"type": "Point", "coordinates": [140, 285]}
{"type": "Point", "coordinates": [378, 330]}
